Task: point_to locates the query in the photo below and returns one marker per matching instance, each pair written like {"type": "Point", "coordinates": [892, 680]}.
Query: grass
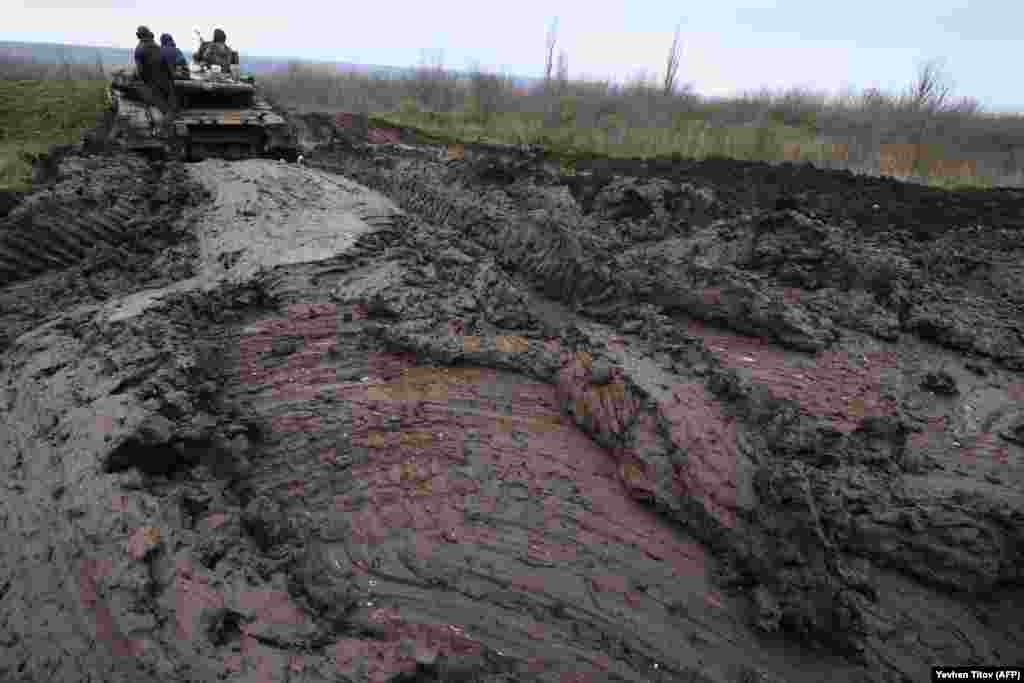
{"type": "Point", "coordinates": [870, 132]}
{"type": "Point", "coordinates": [34, 115]}
{"type": "Point", "coordinates": [691, 139]}
{"type": "Point", "coordinates": [695, 139]}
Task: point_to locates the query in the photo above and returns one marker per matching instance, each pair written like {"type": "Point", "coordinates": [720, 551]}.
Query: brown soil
{"type": "Point", "coordinates": [401, 414]}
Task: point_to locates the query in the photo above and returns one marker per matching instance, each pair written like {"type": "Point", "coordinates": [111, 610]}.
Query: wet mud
{"type": "Point", "coordinates": [96, 228]}
{"type": "Point", "coordinates": [405, 413]}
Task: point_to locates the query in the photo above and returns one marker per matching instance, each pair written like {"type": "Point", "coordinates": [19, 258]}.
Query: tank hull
{"type": "Point", "coordinates": [225, 119]}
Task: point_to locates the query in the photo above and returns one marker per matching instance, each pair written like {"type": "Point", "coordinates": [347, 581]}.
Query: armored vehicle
{"type": "Point", "coordinates": [218, 114]}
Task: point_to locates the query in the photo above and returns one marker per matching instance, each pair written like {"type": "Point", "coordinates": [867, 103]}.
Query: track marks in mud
{"type": "Point", "coordinates": [265, 215]}
{"type": "Point", "coordinates": [837, 408]}
{"type": "Point", "coordinates": [82, 240]}
{"type": "Point", "coordinates": [462, 494]}
{"type": "Point", "coordinates": [392, 481]}
{"type": "Point", "coordinates": [578, 266]}
{"type": "Point", "coordinates": [93, 206]}
{"type": "Point", "coordinates": [750, 273]}
{"type": "Point", "coordinates": [836, 385]}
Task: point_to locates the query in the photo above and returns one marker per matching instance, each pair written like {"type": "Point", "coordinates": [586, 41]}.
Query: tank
{"type": "Point", "coordinates": [219, 115]}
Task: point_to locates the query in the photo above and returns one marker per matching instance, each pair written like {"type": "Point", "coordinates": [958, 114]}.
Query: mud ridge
{"type": "Point", "coordinates": [728, 272]}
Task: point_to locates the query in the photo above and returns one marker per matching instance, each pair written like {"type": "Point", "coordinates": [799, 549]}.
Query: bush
{"type": "Point", "coordinates": [485, 96]}
{"type": "Point", "coordinates": [567, 107]}
{"type": "Point", "coordinates": [408, 108]}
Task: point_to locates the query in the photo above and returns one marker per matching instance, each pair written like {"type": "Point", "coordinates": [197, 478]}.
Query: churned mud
{"type": "Point", "coordinates": [409, 413]}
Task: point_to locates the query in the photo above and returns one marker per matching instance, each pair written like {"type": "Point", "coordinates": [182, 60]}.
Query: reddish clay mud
{"type": "Point", "coordinates": [476, 420]}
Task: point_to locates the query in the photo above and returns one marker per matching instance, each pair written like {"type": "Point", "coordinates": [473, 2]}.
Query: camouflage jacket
{"type": "Point", "coordinates": [217, 53]}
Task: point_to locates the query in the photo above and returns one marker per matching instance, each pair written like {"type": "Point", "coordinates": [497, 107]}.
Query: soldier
{"type": "Point", "coordinates": [176, 62]}
{"type": "Point", "coordinates": [171, 54]}
{"type": "Point", "coordinates": [156, 76]}
{"type": "Point", "coordinates": [217, 52]}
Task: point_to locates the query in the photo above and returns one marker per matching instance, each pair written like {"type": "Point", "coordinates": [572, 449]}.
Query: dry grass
{"type": "Point", "coordinates": [870, 132]}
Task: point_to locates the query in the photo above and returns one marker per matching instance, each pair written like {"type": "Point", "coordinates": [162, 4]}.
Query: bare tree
{"type": "Point", "coordinates": [430, 85]}
{"type": "Point", "coordinates": [927, 97]}
{"type": "Point", "coordinates": [65, 63]}
{"type": "Point", "coordinates": [549, 61]}
{"type": "Point", "coordinates": [931, 89]}
{"type": "Point", "coordinates": [672, 65]}
{"type": "Point", "coordinates": [485, 93]}
{"type": "Point", "coordinates": [563, 72]}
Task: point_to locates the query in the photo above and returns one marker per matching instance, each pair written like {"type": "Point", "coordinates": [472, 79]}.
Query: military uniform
{"type": "Point", "coordinates": [171, 54]}
{"type": "Point", "coordinates": [217, 52]}
{"type": "Point", "coordinates": [220, 54]}
{"type": "Point", "coordinates": [153, 71]}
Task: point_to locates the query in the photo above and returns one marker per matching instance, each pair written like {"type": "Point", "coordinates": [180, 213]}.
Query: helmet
{"type": "Point", "coordinates": [143, 32]}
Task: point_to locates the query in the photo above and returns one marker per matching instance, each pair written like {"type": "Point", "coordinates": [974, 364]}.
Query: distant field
{"type": "Point", "coordinates": [35, 115]}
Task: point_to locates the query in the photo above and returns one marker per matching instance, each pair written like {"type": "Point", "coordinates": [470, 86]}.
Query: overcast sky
{"type": "Point", "coordinates": [728, 46]}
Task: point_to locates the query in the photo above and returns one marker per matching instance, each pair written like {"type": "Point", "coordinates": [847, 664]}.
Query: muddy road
{"type": "Point", "coordinates": [404, 414]}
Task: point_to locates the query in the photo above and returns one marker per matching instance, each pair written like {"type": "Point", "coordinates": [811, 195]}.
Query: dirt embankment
{"type": "Point", "coordinates": [483, 421]}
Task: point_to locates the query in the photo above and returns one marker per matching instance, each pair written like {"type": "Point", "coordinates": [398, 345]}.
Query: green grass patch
{"type": "Point", "coordinates": [35, 115]}
{"type": "Point", "coordinates": [690, 138]}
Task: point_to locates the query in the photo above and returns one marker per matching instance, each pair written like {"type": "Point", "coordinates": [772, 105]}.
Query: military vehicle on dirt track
{"type": "Point", "coordinates": [219, 115]}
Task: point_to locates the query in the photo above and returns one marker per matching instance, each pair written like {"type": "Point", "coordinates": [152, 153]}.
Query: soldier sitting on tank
{"type": "Point", "coordinates": [156, 76]}
{"type": "Point", "coordinates": [217, 53]}
{"type": "Point", "coordinates": [173, 55]}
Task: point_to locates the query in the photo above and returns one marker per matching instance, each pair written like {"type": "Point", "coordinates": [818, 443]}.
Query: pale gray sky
{"type": "Point", "coordinates": [728, 46]}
